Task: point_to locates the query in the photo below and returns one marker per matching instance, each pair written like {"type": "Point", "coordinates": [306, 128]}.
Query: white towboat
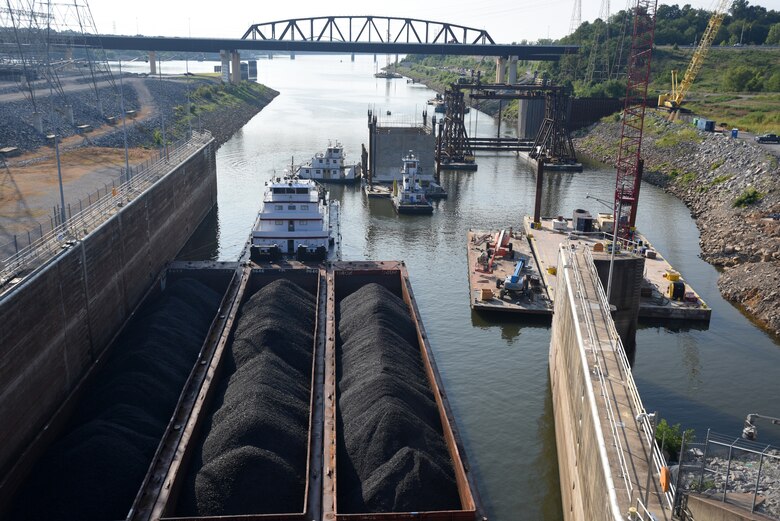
{"type": "Point", "coordinates": [297, 218]}
{"type": "Point", "coordinates": [408, 195]}
{"type": "Point", "coordinates": [329, 167]}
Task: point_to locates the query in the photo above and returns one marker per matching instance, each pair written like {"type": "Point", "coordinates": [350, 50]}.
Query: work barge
{"type": "Point", "coordinates": [159, 495]}
{"type": "Point", "coordinates": [530, 255]}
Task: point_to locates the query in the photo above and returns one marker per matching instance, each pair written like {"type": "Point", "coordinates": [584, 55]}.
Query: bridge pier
{"type": "Point", "coordinates": [500, 69]}
{"type": "Point", "coordinates": [224, 56]}
{"type": "Point", "coordinates": [512, 70]}
{"type": "Point", "coordinates": [235, 68]}
{"type": "Point", "coordinates": [152, 62]}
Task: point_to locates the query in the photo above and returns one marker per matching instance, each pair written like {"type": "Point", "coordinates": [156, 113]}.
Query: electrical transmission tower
{"type": "Point", "coordinates": [576, 16]}
{"type": "Point", "coordinates": [598, 62]}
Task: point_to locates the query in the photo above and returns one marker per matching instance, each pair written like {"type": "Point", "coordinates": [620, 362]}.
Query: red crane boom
{"type": "Point", "coordinates": [629, 163]}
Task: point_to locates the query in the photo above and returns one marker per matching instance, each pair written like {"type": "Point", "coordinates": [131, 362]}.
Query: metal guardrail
{"type": "Point", "coordinates": [632, 391]}
{"type": "Point", "coordinates": [658, 459]}
{"type": "Point", "coordinates": [65, 235]}
{"type": "Point", "coordinates": [600, 374]}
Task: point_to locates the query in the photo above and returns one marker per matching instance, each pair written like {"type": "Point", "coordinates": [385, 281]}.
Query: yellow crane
{"type": "Point", "coordinates": [674, 99]}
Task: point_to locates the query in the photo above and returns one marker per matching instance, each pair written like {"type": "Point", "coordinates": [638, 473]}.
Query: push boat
{"type": "Point", "coordinates": [409, 196]}
{"type": "Point", "coordinates": [296, 219]}
{"type": "Point", "coordinates": [329, 167]}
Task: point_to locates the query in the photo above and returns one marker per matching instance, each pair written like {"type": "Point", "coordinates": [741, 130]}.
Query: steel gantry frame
{"type": "Point", "coordinates": [365, 29]}
{"type": "Point", "coordinates": [553, 140]}
{"type": "Point", "coordinates": [629, 163]}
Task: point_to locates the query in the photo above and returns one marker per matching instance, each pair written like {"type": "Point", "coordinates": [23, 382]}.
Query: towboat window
{"type": "Point", "coordinates": [301, 190]}
{"type": "Point", "coordinates": [319, 171]}
{"type": "Point", "coordinates": [301, 223]}
{"type": "Point", "coordinates": [279, 223]}
{"type": "Point", "coordinates": [304, 207]}
{"type": "Point", "coordinates": [291, 207]}
{"type": "Point", "coordinates": [279, 207]}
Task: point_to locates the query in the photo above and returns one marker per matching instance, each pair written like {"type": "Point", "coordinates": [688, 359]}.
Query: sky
{"type": "Point", "coordinates": [505, 20]}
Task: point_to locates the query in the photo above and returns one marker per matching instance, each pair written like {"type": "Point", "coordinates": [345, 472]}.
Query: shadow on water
{"type": "Point", "coordinates": [511, 325]}
{"type": "Point", "coordinates": [545, 477]}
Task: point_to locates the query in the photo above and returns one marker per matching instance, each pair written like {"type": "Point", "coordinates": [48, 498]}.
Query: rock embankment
{"type": "Point", "coordinates": [221, 109]}
{"type": "Point", "coordinates": [731, 187]}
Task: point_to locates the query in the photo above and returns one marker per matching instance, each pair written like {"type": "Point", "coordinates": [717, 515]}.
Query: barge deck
{"type": "Point", "coordinates": [654, 302]}
{"type": "Point", "coordinates": [484, 294]}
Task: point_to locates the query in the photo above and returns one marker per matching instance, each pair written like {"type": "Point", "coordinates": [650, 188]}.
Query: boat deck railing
{"type": "Point", "coordinates": [67, 234]}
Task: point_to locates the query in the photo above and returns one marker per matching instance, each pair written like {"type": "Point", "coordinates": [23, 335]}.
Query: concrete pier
{"type": "Point", "coordinates": [608, 461]}
{"type": "Point", "coordinates": [512, 70]}
{"type": "Point", "coordinates": [235, 68]}
{"type": "Point", "coordinates": [500, 69]}
{"type": "Point", "coordinates": [224, 57]}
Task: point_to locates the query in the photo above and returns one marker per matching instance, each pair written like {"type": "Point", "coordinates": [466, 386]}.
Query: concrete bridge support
{"type": "Point", "coordinates": [152, 62]}
{"type": "Point", "coordinates": [530, 116]}
{"type": "Point", "coordinates": [224, 56]}
{"type": "Point", "coordinates": [512, 70]}
{"type": "Point", "coordinates": [235, 68]}
{"type": "Point", "coordinates": [501, 69]}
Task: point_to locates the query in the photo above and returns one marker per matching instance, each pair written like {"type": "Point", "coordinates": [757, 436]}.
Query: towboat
{"type": "Point", "coordinates": [408, 195]}
{"type": "Point", "coordinates": [329, 167]}
{"type": "Point", "coordinates": [296, 219]}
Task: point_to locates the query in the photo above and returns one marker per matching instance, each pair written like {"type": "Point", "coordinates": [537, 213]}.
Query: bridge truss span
{"type": "Point", "coordinates": [379, 29]}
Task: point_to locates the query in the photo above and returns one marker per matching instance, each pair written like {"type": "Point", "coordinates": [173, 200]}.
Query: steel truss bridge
{"type": "Point", "coordinates": [342, 35]}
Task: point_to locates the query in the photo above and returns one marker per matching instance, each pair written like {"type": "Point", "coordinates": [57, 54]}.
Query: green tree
{"type": "Point", "coordinates": [740, 79]}
{"type": "Point", "coordinates": [773, 37]}
{"type": "Point", "coordinates": [773, 83]}
{"type": "Point", "coordinates": [671, 437]}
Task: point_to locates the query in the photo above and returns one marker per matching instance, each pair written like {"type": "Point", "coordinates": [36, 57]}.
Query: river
{"type": "Point", "coordinates": [494, 368]}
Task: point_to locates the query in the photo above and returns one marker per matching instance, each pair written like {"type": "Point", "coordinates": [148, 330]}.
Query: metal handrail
{"type": "Point", "coordinates": [658, 459]}
{"type": "Point", "coordinates": [600, 374]}
{"type": "Point", "coordinates": [74, 229]}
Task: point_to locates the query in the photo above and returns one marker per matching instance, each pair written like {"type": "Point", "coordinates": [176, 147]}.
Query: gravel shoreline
{"type": "Point", "coordinates": [715, 175]}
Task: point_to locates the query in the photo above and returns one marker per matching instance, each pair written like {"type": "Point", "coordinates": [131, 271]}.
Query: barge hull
{"type": "Point", "coordinates": [343, 279]}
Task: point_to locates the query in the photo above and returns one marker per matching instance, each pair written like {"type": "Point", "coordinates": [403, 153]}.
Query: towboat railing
{"type": "Point", "coordinates": [69, 233]}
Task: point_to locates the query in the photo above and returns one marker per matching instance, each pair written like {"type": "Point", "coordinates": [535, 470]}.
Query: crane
{"type": "Point", "coordinates": [674, 99]}
{"type": "Point", "coordinates": [629, 162]}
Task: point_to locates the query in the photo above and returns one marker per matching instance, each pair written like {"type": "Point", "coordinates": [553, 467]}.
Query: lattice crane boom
{"type": "Point", "coordinates": [629, 163]}
{"type": "Point", "coordinates": [701, 51]}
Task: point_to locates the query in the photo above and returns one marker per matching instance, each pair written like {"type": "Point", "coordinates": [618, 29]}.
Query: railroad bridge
{"type": "Point", "coordinates": [340, 35]}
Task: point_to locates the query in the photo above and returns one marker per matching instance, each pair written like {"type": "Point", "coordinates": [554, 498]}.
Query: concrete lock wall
{"type": "Point", "coordinates": [585, 485]}
{"type": "Point", "coordinates": [530, 118]}
{"type": "Point", "coordinates": [56, 324]}
{"type": "Point", "coordinates": [392, 143]}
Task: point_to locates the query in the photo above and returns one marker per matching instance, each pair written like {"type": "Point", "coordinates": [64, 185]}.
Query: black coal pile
{"type": "Point", "coordinates": [95, 470]}
{"type": "Point", "coordinates": [253, 458]}
{"type": "Point", "coordinates": [392, 455]}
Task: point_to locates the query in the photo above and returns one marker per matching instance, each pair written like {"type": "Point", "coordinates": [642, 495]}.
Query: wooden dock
{"type": "Point", "coordinates": [654, 303]}
{"type": "Point", "coordinates": [483, 292]}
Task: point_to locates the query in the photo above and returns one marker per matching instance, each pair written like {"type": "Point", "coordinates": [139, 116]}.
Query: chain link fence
{"type": "Point", "coordinates": [29, 250]}
{"type": "Point", "coordinates": [732, 470]}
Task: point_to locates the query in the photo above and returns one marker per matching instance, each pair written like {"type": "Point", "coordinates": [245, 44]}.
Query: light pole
{"type": "Point", "coordinates": [124, 117]}
{"type": "Point", "coordinates": [651, 418]}
{"type": "Point", "coordinates": [616, 220]}
{"type": "Point", "coordinates": [615, 227]}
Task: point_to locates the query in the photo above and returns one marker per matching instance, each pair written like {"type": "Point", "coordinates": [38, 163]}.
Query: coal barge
{"type": "Point", "coordinates": [176, 452]}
